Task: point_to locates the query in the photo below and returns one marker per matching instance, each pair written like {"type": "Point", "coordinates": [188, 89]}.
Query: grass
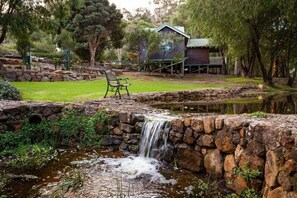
{"type": "Point", "coordinates": [8, 48]}
{"type": "Point", "coordinates": [241, 80]}
{"type": "Point", "coordinates": [89, 90]}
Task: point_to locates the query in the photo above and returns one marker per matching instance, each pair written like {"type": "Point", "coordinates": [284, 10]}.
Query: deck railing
{"type": "Point", "coordinates": [215, 60]}
{"type": "Point", "coordinates": [198, 61]}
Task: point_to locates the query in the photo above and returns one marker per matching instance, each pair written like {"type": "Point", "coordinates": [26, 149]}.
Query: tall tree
{"type": "Point", "coordinates": [181, 17]}
{"type": "Point", "coordinates": [16, 16]}
{"type": "Point", "coordinates": [97, 22]}
{"type": "Point", "coordinates": [140, 39]}
{"type": "Point", "coordinates": [256, 31]}
{"type": "Point", "coordinates": [164, 9]}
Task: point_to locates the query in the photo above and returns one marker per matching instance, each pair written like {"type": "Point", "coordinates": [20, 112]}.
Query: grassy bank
{"type": "Point", "coordinates": [89, 90]}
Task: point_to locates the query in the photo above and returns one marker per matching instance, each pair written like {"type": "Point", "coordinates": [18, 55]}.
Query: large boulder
{"type": "Point", "coordinates": [229, 163]}
{"type": "Point", "coordinates": [224, 141]}
{"type": "Point", "coordinates": [189, 159]}
{"type": "Point", "coordinates": [235, 182]}
{"type": "Point", "coordinates": [209, 124]}
{"type": "Point", "coordinates": [273, 162]}
{"type": "Point", "coordinates": [175, 137]}
{"type": "Point", "coordinates": [45, 79]}
{"type": "Point", "coordinates": [177, 125]}
{"type": "Point", "coordinates": [256, 148]}
{"type": "Point", "coordinates": [213, 163]}
{"type": "Point", "coordinates": [197, 125]}
{"type": "Point", "coordinates": [206, 141]}
{"type": "Point", "coordinates": [189, 136]}
{"type": "Point", "coordinates": [11, 76]}
{"type": "Point", "coordinates": [277, 193]}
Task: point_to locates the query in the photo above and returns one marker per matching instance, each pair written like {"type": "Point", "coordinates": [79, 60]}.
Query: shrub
{"type": "Point", "coordinates": [258, 114]}
{"type": "Point", "coordinates": [71, 127]}
{"type": "Point", "coordinates": [32, 157]}
{"type": "Point", "coordinates": [74, 181]}
{"type": "Point", "coordinates": [8, 91]}
{"type": "Point", "coordinates": [4, 180]}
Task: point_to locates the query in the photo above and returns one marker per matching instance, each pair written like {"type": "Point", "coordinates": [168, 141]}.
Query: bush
{"type": "Point", "coordinates": [258, 114]}
{"type": "Point", "coordinates": [72, 127]}
{"type": "Point", "coordinates": [32, 157]}
{"type": "Point", "coordinates": [8, 91]}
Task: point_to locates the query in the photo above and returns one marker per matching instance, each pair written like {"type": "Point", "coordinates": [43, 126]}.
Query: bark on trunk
{"type": "Point", "coordinates": [256, 41]}
{"type": "Point", "coordinates": [292, 79]}
{"type": "Point", "coordinates": [3, 34]}
{"type": "Point", "coordinates": [224, 65]}
{"type": "Point", "coordinates": [256, 37]}
{"type": "Point", "coordinates": [92, 49]}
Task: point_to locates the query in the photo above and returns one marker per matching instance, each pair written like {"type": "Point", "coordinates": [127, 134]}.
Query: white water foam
{"type": "Point", "coordinates": [153, 138]}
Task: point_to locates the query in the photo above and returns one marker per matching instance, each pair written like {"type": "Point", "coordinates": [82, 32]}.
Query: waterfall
{"type": "Point", "coordinates": [153, 147]}
{"type": "Point", "coordinates": [154, 137]}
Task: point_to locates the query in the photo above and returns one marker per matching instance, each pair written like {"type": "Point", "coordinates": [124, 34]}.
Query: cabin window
{"type": "Point", "coordinates": [166, 46]}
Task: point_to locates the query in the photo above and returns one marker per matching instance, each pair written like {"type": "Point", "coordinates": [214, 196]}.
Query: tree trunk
{"type": "Point", "coordinates": [224, 65]}
{"type": "Point", "coordinates": [236, 67]}
{"type": "Point", "coordinates": [256, 46]}
{"type": "Point", "coordinates": [3, 34]}
{"type": "Point", "coordinates": [292, 79]}
{"type": "Point", "coordinates": [92, 49]}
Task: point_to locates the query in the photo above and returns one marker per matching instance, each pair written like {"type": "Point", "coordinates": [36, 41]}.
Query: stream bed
{"type": "Point", "coordinates": [105, 173]}
{"type": "Point", "coordinates": [90, 172]}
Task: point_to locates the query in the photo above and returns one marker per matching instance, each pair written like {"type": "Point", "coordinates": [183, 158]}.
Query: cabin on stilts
{"type": "Point", "coordinates": [181, 54]}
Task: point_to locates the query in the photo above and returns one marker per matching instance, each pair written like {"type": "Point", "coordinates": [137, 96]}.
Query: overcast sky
{"type": "Point", "coordinates": [131, 5]}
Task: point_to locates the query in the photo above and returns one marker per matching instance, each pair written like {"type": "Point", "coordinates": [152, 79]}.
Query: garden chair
{"type": "Point", "coordinates": [115, 84]}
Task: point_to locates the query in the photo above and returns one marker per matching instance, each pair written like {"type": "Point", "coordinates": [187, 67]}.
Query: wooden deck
{"type": "Point", "coordinates": [204, 68]}
{"type": "Point", "coordinates": [185, 65]}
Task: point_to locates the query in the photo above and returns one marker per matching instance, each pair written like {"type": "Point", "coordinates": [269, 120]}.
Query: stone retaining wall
{"type": "Point", "coordinates": [228, 148]}
{"type": "Point", "coordinates": [225, 147]}
{"type": "Point", "coordinates": [14, 75]}
{"type": "Point", "coordinates": [203, 94]}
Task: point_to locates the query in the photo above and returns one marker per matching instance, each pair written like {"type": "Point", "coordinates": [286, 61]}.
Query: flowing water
{"type": "Point", "coordinates": [115, 174]}
{"type": "Point", "coordinates": [154, 137]}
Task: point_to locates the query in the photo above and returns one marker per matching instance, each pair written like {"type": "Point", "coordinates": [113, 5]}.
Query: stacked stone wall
{"type": "Point", "coordinates": [197, 95]}
{"type": "Point", "coordinates": [225, 147]}
{"type": "Point", "coordinates": [231, 148]}
{"type": "Point", "coordinates": [14, 75]}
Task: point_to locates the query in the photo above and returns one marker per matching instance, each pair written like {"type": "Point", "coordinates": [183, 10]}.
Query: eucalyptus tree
{"type": "Point", "coordinates": [16, 16]}
{"type": "Point", "coordinates": [140, 39]}
{"type": "Point", "coordinates": [97, 23]}
{"type": "Point", "coordinates": [181, 17]}
{"type": "Point", "coordinates": [256, 31]}
{"type": "Point", "coordinates": [164, 9]}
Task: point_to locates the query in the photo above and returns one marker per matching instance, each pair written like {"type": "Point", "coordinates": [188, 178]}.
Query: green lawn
{"type": "Point", "coordinates": [89, 90]}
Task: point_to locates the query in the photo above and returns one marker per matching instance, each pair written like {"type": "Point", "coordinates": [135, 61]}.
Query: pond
{"type": "Point", "coordinates": [272, 104]}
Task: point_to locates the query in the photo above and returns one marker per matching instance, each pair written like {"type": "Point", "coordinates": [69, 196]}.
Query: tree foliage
{"type": "Point", "coordinates": [164, 9]}
{"type": "Point", "coordinates": [97, 24]}
{"type": "Point", "coordinates": [181, 17]}
{"type": "Point", "coordinates": [259, 33]}
{"type": "Point", "coordinates": [140, 39]}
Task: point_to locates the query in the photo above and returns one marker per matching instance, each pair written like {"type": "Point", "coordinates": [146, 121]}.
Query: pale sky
{"type": "Point", "coordinates": [132, 5]}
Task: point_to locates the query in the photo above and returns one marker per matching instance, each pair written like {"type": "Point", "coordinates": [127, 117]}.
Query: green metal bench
{"type": "Point", "coordinates": [115, 84]}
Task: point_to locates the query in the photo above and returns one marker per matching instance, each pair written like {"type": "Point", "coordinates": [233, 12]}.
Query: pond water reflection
{"type": "Point", "coordinates": [272, 104]}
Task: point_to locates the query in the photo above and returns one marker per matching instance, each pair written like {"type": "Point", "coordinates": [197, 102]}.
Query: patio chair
{"type": "Point", "coordinates": [115, 84]}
